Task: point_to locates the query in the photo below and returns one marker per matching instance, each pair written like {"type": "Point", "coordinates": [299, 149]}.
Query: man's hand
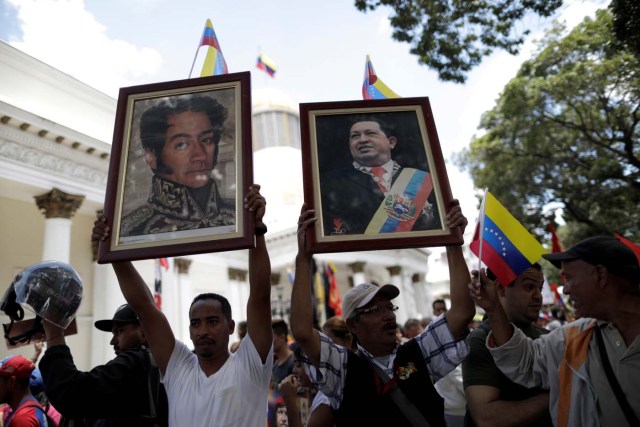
{"type": "Point", "coordinates": [305, 221]}
{"type": "Point", "coordinates": [100, 230]}
{"type": "Point", "coordinates": [256, 204]}
{"type": "Point", "coordinates": [288, 387]}
{"type": "Point", "coordinates": [483, 291]}
{"type": "Point", "coordinates": [455, 218]}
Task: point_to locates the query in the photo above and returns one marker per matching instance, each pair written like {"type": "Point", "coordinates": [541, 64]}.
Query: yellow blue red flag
{"type": "Point", "coordinates": [373, 87]}
{"type": "Point", "coordinates": [266, 64]}
{"type": "Point", "coordinates": [214, 63]}
{"type": "Point", "coordinates": [502, 243]}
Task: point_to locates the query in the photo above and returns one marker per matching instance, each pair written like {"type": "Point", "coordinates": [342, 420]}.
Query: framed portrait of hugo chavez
{"type": "Point", "coordinates": [181, 165]}
{"type": "Point", "coordinates": [374, 173]}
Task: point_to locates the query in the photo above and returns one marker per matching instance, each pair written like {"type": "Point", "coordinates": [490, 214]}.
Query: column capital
{"type": "Point", "coordinates": [417, 278]}
{"type": "Point", "coordinates": [394, 270]}
{"type": "Point", "coordinates": [182, 265]}
{"type": "Point", "coordinates": [237, 274]}
{"type": "Point", "coordinates": [357, 267]}
{"type": "Point", "coordinates": [58, 204]}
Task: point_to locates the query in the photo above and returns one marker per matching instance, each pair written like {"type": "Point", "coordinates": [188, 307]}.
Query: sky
{"type": "Point", "coordinates": [319, 48]}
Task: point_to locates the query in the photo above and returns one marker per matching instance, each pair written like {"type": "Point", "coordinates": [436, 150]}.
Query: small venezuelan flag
{"type": "Point", "coordinates": [373, 87]}
{"type": "Point", "coordinates": [508, 249]}
{"type": "Point", "coordinates": [214, 63]}
{"type": "Point", "coordinates": [266, 64]}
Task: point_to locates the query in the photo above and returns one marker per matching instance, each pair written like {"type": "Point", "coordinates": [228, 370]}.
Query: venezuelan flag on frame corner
{"type": "Point", "coordinates": [508, 249]}
{"type": "Point", "coordinates": [214, 63]}
{"type": "Point", "coordinates": [373, 87]}
{"type": "Point", "coordinates": [266, 64]}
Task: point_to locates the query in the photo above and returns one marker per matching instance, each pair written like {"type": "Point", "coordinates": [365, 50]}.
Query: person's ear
{"type": "Point", "coordinates": [393, 141]}
{"type": "Point", "coordinates": [502, 289]}
{"type": "Point", "coordinates": [232, 327]}
{"type": "Point", "coordinates": [150, 158]}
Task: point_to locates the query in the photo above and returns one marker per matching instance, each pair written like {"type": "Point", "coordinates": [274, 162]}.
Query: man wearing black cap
{"type": "Point", "coordinates": [602, 278]}
{"type": "Point", "coordinates": [382, 383]}
{"type": "Point", "coordinates": [126, 391]}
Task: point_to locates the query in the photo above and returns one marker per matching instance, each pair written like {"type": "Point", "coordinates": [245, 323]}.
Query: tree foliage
{"type": "Point", "coordinates": [565, 131]}
{"type": "Point", "coordinates": [452, 36]}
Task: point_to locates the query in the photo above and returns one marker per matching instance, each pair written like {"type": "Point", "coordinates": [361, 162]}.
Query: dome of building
{"type": "Point", "coordinates": [276, 122]}
{"type": "Point", "coordinates": [272, 99]}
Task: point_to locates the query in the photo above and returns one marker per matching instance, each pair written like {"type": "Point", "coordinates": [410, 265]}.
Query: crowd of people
{"type": "Point", "coordinates": [453, 370]}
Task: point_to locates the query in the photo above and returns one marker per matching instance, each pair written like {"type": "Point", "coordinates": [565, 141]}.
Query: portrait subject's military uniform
{"type": "Point", "coordinates": [171, 207]}
{"type": "Point", "coordinates": [354, 203]}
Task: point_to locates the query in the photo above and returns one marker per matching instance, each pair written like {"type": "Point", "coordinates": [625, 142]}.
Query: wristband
{"type": "Point", "coordinates": [260, 230]}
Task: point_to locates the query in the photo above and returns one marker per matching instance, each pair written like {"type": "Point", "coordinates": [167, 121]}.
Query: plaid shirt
{"type": "Point", "coordinates": [441, 351]}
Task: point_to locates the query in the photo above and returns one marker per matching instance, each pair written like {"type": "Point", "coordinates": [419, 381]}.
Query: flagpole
{"type": "Point", "coordinates": [481, 227]}
{"type": "Point", "coordinates": [197, 49]}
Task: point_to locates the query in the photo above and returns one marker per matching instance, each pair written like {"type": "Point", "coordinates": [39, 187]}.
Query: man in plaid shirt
{"type": "Point", "coordinates": [383, 382]}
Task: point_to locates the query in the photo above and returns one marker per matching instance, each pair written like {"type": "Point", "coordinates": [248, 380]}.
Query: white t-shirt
{"type": "Point", "coordinates": [236, 395]}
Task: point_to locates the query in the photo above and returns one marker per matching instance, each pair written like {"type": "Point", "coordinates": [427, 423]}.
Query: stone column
{"type": "Point", "coordinates": [184, 297]}
{"type": "Point", "coordinates": [421, 298]}
{"type": "Point", "coordinates": [358, 272]}
{"type": "Point", "coordinates": [403, 299]}
{"type": "Point", "coordinates": [58, 208]}
{"type": "Point", "coordinates": [239, 293]}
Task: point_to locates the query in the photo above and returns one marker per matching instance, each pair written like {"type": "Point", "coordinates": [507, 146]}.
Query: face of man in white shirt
{"type": "Point", "coordinates": [369, 145]}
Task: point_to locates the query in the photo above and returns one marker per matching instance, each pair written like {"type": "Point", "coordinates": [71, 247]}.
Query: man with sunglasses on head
{"type": "Point", "coordinates": [382, 383]}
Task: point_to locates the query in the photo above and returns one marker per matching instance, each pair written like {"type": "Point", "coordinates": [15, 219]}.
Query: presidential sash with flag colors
{"type": "Point", "coordinates": [508, 249]}
{"type": "Point", "coordinates": [403, 203]}
{"type": "Point", "coordinates": [214, 63]}
{"type": "Point", "coordinates": [373, 87]}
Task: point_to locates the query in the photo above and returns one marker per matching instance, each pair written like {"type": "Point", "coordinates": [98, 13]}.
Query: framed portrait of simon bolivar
{"type": "Point", "coordinates": [374, 173]}
{"type": "Point", "coordinates": [181, 164]}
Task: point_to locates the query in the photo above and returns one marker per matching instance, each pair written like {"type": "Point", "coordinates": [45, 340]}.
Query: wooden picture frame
{"type": "Point", "coordinates": [403, 207]}
{"type": "Point", "coordinates": [180, 168]}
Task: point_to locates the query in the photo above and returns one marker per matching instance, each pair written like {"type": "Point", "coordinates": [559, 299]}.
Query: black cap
{"type": "Point", "coordinates": [608, 251]}
{"type": "Point", "coordinates": [124, 314]}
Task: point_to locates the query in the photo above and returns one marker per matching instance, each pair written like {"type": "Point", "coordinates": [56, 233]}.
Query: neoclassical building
{"type": "Point", "coordinates": [55, 143]}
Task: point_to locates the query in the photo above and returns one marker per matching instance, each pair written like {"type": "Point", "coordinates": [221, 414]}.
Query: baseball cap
{"type": "Point", "coordinates": [16, 366]}
{"type": "Point", "coordinates": [360, 295]}
{"type": "Point", "coordinates": [601, 250]}
{"type": "Point", "coordinates": [124, 314]}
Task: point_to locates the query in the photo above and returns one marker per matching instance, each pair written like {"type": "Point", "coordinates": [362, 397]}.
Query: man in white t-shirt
{"type": "Point", "coordinates": [210, 386]}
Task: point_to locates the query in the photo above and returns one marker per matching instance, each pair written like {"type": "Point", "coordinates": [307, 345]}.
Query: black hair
{"type": "Point", "coordinates": [386, 127]}
{"type": "Point", "coordinates": [280, 327]}
{"type": "Point", "coordinates": [439, 301]}
{"type": "Point", "coordinates": [153, 122]}
{"type": "Point", "coordinates": [226, 307]}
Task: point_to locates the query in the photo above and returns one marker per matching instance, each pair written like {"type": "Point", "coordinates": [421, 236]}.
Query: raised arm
{"type": "Point", "coordinates": [259, 304]}
{"type": "Point", "coordinates": [156, 327]}
{"type": "Point", "coordinates": [462, 307]}
{"type": "Point", "coordinates": [301, 304]}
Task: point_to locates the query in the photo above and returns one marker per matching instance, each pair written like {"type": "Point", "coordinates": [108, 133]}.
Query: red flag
{"type": "Point", "coordinates": [556, 246]}
{"type": "Point", "coordinates": [335, 302]}
{"type": "Point", "coordinates": [164, 263]}
{"type": "Point", "coordinates": [635, 248]}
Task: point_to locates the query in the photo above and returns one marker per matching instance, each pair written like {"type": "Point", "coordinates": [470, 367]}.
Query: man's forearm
{"type": "Point", "coordinates": [501, 328]}
{"type": "Point", "coordinates": [503, 413]}
{"type": "Point", "coordinates": [462, 306]}
{"type": "Point", "coordinates": [133, 287]}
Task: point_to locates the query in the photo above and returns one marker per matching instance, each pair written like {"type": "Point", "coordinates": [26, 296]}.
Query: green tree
{"type": "Point", "coordinates": [565, 132]}
{"type": "Point", "coordinates": [452, 36]}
